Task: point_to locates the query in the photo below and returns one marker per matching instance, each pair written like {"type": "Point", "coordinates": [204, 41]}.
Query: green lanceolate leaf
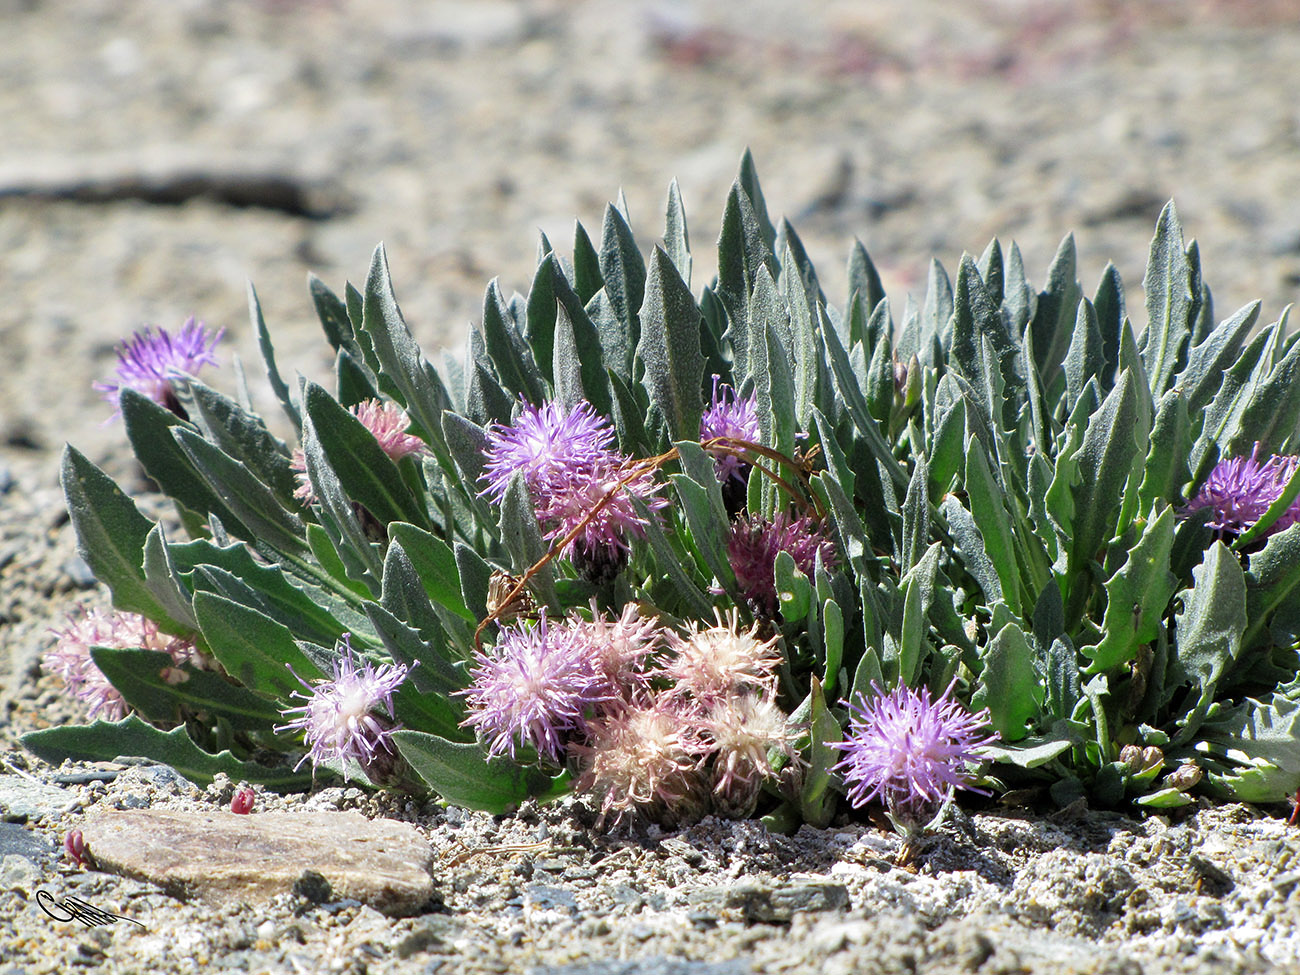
{"type": "Point", "coordinates": [1259, 743]}
{"type": "Point", "coordinates": [132, 738]}
{"type": "Point", "coordinates": [1008, 686]}
{"type": "Point", "coordinates": [1108, 303]}
{"type": "Point", "coordinates": [512, 364]}
{"type": "Point", "coordinates": [624, 274]}
{"type": "Point", "coordinates": [916, 517]}
{"type": "Point", "coordinates": [1113, 444]}
{"type": "Point", "coordinates": [1055, 313]}
{"type": "Point", "coordinates": [162, 578]}
{"type": "Point", "coordinates": [864, 279]}
{"type": "Point", "coordinates": [1169, 298]}
{"type": "Point", "coordinates": [990, 514]}
{"type": "Point", "coordinates": [523, 539]}
{"type": "Point", "coordinates": [970, 549]}
{"type": "Point", "coordinates": [424, 701]}
{"type": "Point", "coordinates": [435, 564]}
{"type": "Point", "coordinates": [1271, 417]}
{"type": "Point", "coordinates": [578, 363]}
{"type": "Point", "coordinates": [670, 349]}
{"type": "Point", "coordinates": [254, 649]}
{"type": "Point", "coordinates": [356, 549]}
{"type": "Point", "coordinates": [111, 536]}
{"type": "Point", "coordinates": [1208, 631]}
{"type": "Point", "coordinates": [1273, 578]}
{"type": "Point", "coordinates": [816, 802]}
{"type": "Point", "coordinates": [677, 243]}
{"type": "Point", "coordinates": [366, 473]}
{"type": "Point", "coordinates": [268, 357]}
{"type": "Point", "coordinates": [1208, 361]}
{"type": "Point", "coordinates": [245, 437]}
{"type": "Point", "coordinates": [1136, 596]}
{"type": "Point", "coordinates": [1171, 442]}
{"type": "Point", "coordinates": [463, 775]}
{"type": "Point", "coordinates": [1086, 357]}
{"type": "Point", "coordinates": [160, 690]}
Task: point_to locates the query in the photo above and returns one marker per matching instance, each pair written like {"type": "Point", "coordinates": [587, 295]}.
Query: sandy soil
{"type": "Point", "coordinates": [157, 155]}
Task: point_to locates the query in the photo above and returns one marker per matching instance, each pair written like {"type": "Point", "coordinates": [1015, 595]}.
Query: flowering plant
{"type": "Point", "coordinates": [746, 552]}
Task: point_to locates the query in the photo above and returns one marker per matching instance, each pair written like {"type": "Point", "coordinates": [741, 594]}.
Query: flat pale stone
{"type": "Point", "coordinates": [218, 856]}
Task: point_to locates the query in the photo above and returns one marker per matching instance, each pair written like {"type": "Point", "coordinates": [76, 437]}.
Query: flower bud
{"type": "Point", "coordinates": [1184, 777]}
{"type": "Point", "coordinates": [74, 844]}
{"type": "Point", "coordinates": [242, 803]}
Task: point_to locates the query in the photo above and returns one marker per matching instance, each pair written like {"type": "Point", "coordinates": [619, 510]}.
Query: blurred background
{"type": "Point", "coordinates": [156, 155]}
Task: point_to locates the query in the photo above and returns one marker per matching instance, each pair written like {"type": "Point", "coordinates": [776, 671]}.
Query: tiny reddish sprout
{"type": "Point", "coordinates": [242, 803]}
{"type": "Point", "coordinates": [74, 844]}
{"type": "Point", "coordinates": [1295, 810]}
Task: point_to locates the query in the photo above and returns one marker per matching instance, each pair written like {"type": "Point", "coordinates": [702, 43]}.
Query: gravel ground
{"type": "Point", "coordinates": [158, 154]}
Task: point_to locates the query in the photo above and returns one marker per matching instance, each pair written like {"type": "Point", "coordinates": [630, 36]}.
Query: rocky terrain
{"type": "Point", "coordinates": [158, 155]}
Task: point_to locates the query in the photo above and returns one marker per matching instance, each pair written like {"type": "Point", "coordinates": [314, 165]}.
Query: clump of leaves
{"type": "Point", "coordinates": [1011, 501]}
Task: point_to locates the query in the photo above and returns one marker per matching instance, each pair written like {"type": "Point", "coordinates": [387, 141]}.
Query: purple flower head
{"type": "Point", "coordinates": [909, 751]}
{"type": "Point", "coordinates": [730, 416]}
{"type": "Point", "coordinates": [70, 656]}
{"type": "Point", "coordinates": [534, 687]}
{"type": "Point", "coordinates": [603, 539]}
{"type": "Point", "coordinates": [548, 446]}
{"type": "Point", "coordinates": [147, 362]}
{"type": "Point", "coordinates": [338, 720]}
{"type": "Point", "coordinates": [1239, 491]}
{"type": "Point", "coordinates": [753, 547]}
{"type": "Point", "coordinates": [386, 421]}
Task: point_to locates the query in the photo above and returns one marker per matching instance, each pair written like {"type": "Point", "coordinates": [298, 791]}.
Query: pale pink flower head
{"type": "Point", "coordinates": [386, 421]}
{"type": "Point", "coordinates": [743, 729]}
{"type": "Point", "coordinates": [736, 418]}
{"type": "Point", "coordinates": [536, 687]}
{"type": "Point", "coordinates": [344, 717]}
{"type": "Point", "coordinates": [753, 546]}
{"type": "Point", "coordinates": [85, 628]}
{"type": "Point", "coordinates": [909, 751]}
{"type": "Point", "coordinates": [619, 649]}
{"type": "Point", "coordinates": [148, 362]}
{"type": "Point", "coordinates": [1238, 491]}
{"type": "Point", "coordinates": [711, 664]}
{"type": "Point", "coordinates": [644, 758]}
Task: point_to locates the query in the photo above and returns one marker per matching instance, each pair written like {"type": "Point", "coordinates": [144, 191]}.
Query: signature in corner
{"type": "Point", "coordinates": [75, 909]}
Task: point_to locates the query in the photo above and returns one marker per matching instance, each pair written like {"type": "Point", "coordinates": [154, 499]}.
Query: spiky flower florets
{"type": "Point", "coordinates": [734, 417]}
{"type": "Point", "coordinates": [70, 656]}
{"type": "Point", "coordinates": [1238, 491]}
{"type": "Point", "coordinates": [387, 422]}
{"type": "Point", "coordinates": [910, 751]}
{"type": "Point", "coordinates": [618, 649]}
{"type": "Point", "coordinates": [606, 489]}
{"type": "Point", "coordinates": [743, 729]}
{"type": "Point", "coordinates": [714, 663]}
{"type": "Point", "coordinates": [754, 544]}
{"type": "Point", "coordinates": [147, 362]}
{"type": "Point", "coordinates": [534, 687]}
{"type": "Point", "coordinates": [339, 720]}
{"type": "Point", "coordinates": [644, 758]}
{"type": "Point", "coordinates": [548, 445]}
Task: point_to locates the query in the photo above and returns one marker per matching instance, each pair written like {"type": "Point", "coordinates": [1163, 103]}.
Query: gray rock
{"type": "Point", "coordinates": [18, 873]}
{"type": "Point", "coordinates": [22, 799]}
{"type": "Point", "coordinates": [766, 902]}
{"type": "Point", "coordinates": [547, 898]}
{"type": "Point", "coordinates": [16, 840]}
{"type": "Point", "coordinates": [218, 856]}
{"type": "Point", "coordinates": [648, 966]}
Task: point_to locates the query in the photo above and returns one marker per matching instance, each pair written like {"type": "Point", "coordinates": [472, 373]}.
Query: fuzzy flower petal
{"type": "Point", "coordinates": [534, 687]}
{"type": "Point", "coordinates": [643, 757]}
{"type": "Point", "coordinates": [717, 662]}
{"type": "Point", "coordinates": [70, 658]}
{"type": "Point", "coordinates": [754, 544]}
{"type": "Point", "coordinates": [147, 362]}
{"type": "Point", "coordinates": [619, 649]}
{"type": "Point", "coordinates": [1239, 490]}
{"type": "Point", "coordinates": [567, 504]}
{"type": "Point", "coordinates": [728, 415]}
{"type": "Point", "coordinates": [548, 446]}
{"type": "Point", "coordinates": [909, 750]}
{"type": "Point", "coordinates": [339, 719]}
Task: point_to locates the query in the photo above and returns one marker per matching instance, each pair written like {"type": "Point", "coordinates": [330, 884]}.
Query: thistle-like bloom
{"type": "Point", "coordinates": [645, 758]}
{"type": "Point", "coordinates": [1239, 491]}
{"type": "Point", "coordinates": [602, 544]}
{"type": "Point", "coordinates": [147, 362]}
{"type": "Point", "coordinates": [619, 649]}
{"type": "Point", "coordinates": [743, 730]}
{"type": "Point", "coordinates": [730, 416]}
{"type": "Point", "coordinates": [339, 719]}
{"type": "Point", "coordinates": [712, 664]}
{"type": "Point", "coordinates": [548, 446]}
{"type": "Point", "coordinates": [909, 751]}
{"type": "Point", "coordinates": [386, 421]}
{"type": "Point", "coordinates": [536, 686]}
{"type": "Point", "coordinates": [70, 656]}
{"type": "Point", "coordinates": [753, 546]}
